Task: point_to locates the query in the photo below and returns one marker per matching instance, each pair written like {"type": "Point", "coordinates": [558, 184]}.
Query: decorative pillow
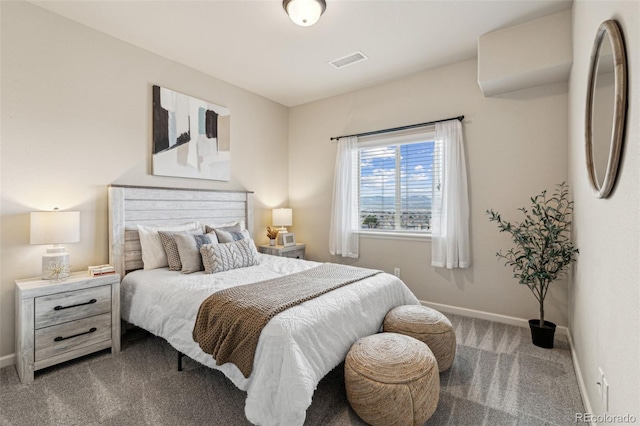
{"type": "Point", "coordinates": [189, 249]}
{"type": "Point", "coordinates": [153, 255]}
{"type": "Point", "coordinates": [229, 227]}
{"type": "Point", "coordinates": [231, 236]}
{"type": "Point", "coordinates": [224, 257]}
{"type": "Point", "coordinates": [171, 248]}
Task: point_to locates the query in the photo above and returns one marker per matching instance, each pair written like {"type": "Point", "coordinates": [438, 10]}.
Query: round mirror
{"type": "Point", "coordinates": [606, 107]}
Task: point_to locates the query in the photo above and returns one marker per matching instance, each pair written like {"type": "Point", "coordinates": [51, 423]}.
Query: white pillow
{"type": "Point", "coordinates": [153, 254]}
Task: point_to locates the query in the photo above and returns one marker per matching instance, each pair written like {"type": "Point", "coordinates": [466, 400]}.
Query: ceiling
{"type": "Point", "coordinates": [254, 45]}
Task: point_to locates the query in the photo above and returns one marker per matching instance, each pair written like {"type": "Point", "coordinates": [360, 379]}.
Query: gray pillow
{"type": "Point", "coordinates": [189, 250]}
{"type": "Point", "coordinates": [236, 227]}
{"type": "Point", "coordinates": [224, 257]}
{"type": "Point", "coordinates": [231, 236]}
{"type": "Point", "coordinates": [171, 249]}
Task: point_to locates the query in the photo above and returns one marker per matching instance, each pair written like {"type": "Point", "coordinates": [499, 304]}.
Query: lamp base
{"type": "Point", "coordinates": [281, 231]}
{"type": "Point", "coordinates": [54, 255]}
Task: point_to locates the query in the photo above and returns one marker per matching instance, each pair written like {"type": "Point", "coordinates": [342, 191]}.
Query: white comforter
{"type": "Point", "coordinates": [297, 347]}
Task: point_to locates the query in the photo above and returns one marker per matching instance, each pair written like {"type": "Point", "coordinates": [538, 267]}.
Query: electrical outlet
{"type": "Point", "coordinates": [605, 395]}
{"type": "Point", "coordinates": [396, 272]}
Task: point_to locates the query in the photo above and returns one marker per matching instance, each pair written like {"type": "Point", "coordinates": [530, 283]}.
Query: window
{"type": "Point", "coordinates": [395, 183]}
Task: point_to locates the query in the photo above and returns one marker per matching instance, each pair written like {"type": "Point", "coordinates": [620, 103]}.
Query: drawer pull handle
{"type": "Point", "coordinates": [60, 339]}
{"type": "Point", "coordinates": [57, 308]}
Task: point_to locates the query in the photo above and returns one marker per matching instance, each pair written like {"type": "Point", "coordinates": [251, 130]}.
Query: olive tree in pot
{"type": "Point", "coordinates": [542, 250]}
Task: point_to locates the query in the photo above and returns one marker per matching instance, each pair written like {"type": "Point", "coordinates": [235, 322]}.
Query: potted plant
{"type": "Point", "coordinates": [542, 251]}
{"type": "Point", "coordinates": [272, 233]}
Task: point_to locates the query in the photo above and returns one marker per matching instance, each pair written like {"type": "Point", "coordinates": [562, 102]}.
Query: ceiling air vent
{"type": "Point", "coordinates": [348, 60]}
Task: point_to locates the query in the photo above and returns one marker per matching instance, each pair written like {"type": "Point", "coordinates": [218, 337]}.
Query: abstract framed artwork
{"type": "Point", "coordinates": [191, 137]}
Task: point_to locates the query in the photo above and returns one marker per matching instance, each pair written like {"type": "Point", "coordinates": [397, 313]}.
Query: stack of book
{"type": "Point", "coordinates": [101, 270]}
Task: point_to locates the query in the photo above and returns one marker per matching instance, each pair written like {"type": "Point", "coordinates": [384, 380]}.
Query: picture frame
{"type": "Point", "coordinates": [191, 137]}
{"type": "Point", "coordinates": [288, 239]}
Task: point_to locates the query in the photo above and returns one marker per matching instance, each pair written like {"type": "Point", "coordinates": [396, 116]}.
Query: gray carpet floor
{"type": "Point", "coordinates": [498, 378]}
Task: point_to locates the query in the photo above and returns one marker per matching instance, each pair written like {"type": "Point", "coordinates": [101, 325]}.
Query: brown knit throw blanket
{"type": "Point", "coordinates": [230, 321]}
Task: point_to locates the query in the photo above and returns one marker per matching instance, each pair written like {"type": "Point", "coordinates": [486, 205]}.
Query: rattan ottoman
{"type": "Point", "coordinates": [392, 379]}
{"type": "Point", "coordinates": [428, 326]}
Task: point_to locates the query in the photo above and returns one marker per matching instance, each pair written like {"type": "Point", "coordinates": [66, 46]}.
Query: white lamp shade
{"type": "Point", "coordinates": [305, 12]}
{"type": "Point", "coordinates": [282, 217]}
{"type": "Point", "coordinates": [55, 227]}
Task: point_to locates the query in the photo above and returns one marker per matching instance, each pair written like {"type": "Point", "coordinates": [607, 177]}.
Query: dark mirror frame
{"type": "Point", "coordinates": [611, 28]}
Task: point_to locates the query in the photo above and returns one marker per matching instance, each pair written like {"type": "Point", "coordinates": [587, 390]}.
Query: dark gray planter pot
{"type": "Point", "coordinates": [542, 336]}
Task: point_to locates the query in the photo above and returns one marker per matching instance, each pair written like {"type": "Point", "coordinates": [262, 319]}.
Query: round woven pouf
{"type": "Point", "coordinates": [392, 379]}
{"type": "Point", "coordinates": [428, 326]}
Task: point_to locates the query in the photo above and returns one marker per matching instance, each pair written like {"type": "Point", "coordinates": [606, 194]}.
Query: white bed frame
{"type": "Point", "coordinates": [130, 206]}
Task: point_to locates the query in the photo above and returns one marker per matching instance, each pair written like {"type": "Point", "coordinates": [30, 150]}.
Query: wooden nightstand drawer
{"type": "Point", "coordinates": [58, 339]}
{"type": "Point", "coordinates": [294, 251]}
{"type": "Point", "coordinates": [295, 254]}
{"type": "Point", "coordinates": [71, 305]}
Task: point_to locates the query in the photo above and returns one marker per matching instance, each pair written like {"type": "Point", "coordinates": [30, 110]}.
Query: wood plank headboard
{"type": "Point", "coordinates": [130, 206]}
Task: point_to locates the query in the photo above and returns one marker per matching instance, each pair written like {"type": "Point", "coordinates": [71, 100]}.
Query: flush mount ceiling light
{"type": "Point", "coordinates": [304, 12]}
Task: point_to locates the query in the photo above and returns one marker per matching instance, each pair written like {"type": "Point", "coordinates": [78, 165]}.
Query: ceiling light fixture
{"type": "Point", "coordinates": [304, 12]}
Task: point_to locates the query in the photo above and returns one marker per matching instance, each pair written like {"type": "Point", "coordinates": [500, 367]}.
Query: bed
{"type": "Point", "coordinates": [296, 348]}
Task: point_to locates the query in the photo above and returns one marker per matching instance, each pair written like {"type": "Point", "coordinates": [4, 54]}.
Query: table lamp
{"type": "Point", "coordinates": [282, 218]}
{"type": "Point", "coordinates": [54, 227]}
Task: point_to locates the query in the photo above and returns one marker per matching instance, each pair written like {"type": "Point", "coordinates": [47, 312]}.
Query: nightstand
{"type": "Point", "coordinates": [56, 322]}
{"type": "Point", "coordinates": [296, 252]}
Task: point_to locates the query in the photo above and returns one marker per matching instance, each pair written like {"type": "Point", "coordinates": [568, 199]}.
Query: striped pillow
{"type": "Point", "coordinates": [227, 256]}
{"type": "Point", "coordinates": [231, 236]}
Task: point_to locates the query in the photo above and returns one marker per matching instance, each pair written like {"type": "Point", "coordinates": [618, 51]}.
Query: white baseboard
{"type": "Point", "coordinates": [503, 319]}
{"type": "Point", "coordinates": [7, 360]}
{"type": "Point", "coordinates": [581, 383]}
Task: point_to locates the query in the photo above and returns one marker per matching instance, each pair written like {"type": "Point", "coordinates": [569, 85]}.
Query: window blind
{"type": "Point", "coordinates": [395, 186]}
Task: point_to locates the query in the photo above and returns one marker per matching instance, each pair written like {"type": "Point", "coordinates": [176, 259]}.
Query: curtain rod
{"type": "Point", "coordinates": [396, 129]}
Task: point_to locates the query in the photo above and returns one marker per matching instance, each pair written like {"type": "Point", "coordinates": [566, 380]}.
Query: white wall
{"type": "Point", "coordinates": [527, 55]}
{"type": "Point", "coordinates": [76, 116]}
{"type": "Point", "coordinates": [516, 147]}
{"type": "Point", "coordinates": [605, 290]}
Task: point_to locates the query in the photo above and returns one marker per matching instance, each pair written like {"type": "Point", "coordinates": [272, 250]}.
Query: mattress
{"type": "Point", "coordinates": [296, 348]}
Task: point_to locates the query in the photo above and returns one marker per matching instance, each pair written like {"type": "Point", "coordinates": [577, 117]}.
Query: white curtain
{"type": "Point", "coordinates": [343, 241]}
{"type": "Point", "coordinates": [450, 245]}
